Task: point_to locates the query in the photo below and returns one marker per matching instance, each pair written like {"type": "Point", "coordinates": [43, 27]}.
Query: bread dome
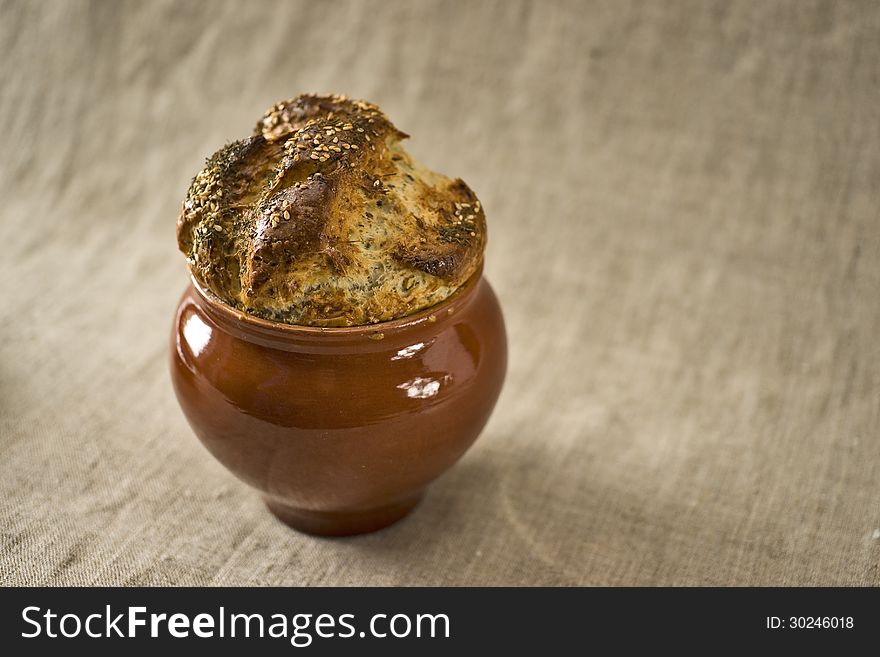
{"type": "Point", "coordinates": [320, 218]}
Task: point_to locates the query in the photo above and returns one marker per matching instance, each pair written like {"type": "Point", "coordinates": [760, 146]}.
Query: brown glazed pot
{"type": "Point", "coordinates": [340, 429]}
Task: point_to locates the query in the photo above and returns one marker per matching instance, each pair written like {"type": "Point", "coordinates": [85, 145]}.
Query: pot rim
{"type": "Point", "coordinates": [244, 320]}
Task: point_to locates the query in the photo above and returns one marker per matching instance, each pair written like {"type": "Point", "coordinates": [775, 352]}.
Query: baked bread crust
{"type": "Point", "coordinates": [320, 218]}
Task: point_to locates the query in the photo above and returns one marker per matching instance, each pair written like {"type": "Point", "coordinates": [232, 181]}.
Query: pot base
{"type": "Point", "coordinates": [342, 523]}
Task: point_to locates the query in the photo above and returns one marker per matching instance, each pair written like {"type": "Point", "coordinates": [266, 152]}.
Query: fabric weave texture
{"type": "Point", "coordinates": [682, 201]}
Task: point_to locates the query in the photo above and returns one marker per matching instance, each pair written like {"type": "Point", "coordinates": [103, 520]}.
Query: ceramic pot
{"type": "Point", "coordinates": [339, 429]}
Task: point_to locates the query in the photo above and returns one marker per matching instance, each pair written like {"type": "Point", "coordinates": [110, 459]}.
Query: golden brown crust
{"type": "Point", "coordinates": [322, 219]}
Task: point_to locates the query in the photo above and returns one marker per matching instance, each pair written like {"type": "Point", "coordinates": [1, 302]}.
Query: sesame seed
{"type": "Point", "coordinates": [287, 216]}
{"type": "Point", "coordinates": [218, 228]}
{"type": "Point", "coordinates": [313, 156]}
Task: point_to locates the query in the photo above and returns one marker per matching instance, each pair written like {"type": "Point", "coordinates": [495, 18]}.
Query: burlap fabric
{"type": "Point", "coordinates": [684, 211]}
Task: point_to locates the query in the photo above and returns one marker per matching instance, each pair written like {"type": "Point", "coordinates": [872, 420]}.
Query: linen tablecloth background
{"type": "Point", "coordinates": [684, 210]}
